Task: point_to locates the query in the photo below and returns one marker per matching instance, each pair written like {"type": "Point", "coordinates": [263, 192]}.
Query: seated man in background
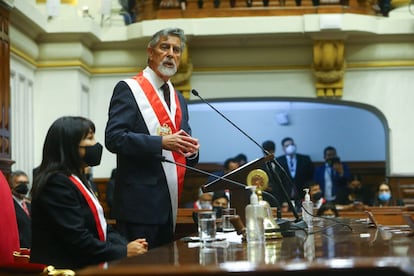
{"type": "Point", "coordinates": [204, 201]}
{"type": "Point", "coordinates": [19, 185]}
{"type": "Point", "coordinates": [229, 165]}
{"type": "Point", "coordinates": [220, 199]}
{"type": "Point", "coordinates": [355, 196]}
{"type": "Point", "coordinates": [316, 195]}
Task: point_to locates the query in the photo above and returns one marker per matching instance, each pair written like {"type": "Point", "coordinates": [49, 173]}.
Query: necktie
{"type": "Point", "coordinates": [166, 89]}
{"type": "Point", "coordinates": [292, 167]}
{"type": "Point", "coordinates": [26, 210]}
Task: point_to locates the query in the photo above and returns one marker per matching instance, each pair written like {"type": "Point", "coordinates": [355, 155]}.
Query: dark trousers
{"type": "Point", "coordinates": [155, 234]}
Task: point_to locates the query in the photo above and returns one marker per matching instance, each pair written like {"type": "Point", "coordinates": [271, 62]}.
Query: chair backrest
{"type": "Point", "coordinates": [9, 234]}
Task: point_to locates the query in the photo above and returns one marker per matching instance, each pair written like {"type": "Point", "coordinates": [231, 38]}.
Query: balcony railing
{"type": "Point", "coordinates": [164, 9]}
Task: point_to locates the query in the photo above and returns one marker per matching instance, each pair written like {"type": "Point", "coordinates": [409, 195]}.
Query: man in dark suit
{"type": "Point", "coordinates": [333, 176]}
{"type": "Point", "coordinates": [19, 185]}
{"type": "Point", "coordinates": [295, 171]}
{"type": "Point", "coordinates": [148, 120]}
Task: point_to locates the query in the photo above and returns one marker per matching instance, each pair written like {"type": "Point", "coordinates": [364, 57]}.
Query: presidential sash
{"type": "Point", "coordinates": [161, 121]}
{"type": "Point", "coordinates": [94, 205]}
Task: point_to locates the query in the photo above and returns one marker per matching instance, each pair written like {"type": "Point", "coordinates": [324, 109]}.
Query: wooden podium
{"type": "Point", "coordinates": [235, 182]}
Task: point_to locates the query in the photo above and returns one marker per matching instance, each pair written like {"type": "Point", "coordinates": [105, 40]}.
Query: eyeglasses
{"type": "Point", "coordinates": [23, 182]}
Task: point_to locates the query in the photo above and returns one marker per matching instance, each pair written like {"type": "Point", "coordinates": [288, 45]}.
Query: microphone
{"type": "Point", "coordinates": [238, 184]}
{"type": "Point", "coordinates": [195, 93]}
{"type": "Point", "coordinates": [274, 175]}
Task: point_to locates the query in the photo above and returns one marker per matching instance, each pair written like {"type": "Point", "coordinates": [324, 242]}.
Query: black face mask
{"type": "Point", "coordinates": [355, 190]}
{"type": "Point", "coordinates": [93, 155]}
{"type": "Point", "coordinates": [218, 210]}
{"type": "Point", "coordinates": [21, 189]}
{"type": "Point", "coordinates": [316, 196]}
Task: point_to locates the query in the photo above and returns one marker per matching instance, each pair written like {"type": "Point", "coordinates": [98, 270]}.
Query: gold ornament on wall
{"type": "Point", "coordinates": [181, 79]}
{"type": "Point", "coordinates": [328, 67]}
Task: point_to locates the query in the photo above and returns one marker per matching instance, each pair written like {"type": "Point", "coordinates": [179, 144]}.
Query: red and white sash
{"type": "Point", "coordinates": [94, 205]}
{"type": "Point", "coordinates": [156, 114]}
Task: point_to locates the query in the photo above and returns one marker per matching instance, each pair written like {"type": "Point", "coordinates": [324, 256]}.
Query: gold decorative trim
{"type": "Point", "coordinates": [70, 2]}
{"type": "Point", "coordinates": [329, 67]}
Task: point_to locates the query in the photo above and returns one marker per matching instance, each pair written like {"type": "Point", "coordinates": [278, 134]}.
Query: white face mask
{"type": "Point", "coordinates": [291, 149]}
{"type": "Point", "coordinates": [205, 205]}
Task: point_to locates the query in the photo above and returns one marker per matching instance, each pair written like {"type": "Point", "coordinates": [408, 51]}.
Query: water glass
{"type": "Point", "coordinates": [227, 214]}
{"type": "Point", "coordinates": [208, 256]}
{"type": "Point", "coordinates": [207, 226]}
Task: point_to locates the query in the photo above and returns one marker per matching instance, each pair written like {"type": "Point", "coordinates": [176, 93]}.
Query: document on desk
{"type": "Point", "coordinates": [222, 240]}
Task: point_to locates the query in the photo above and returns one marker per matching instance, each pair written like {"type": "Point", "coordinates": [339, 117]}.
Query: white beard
{"type": "Point", "coordinates": [169, 72]}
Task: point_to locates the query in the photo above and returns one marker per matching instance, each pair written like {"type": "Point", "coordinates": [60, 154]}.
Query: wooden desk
{"type": "Point", "coordinates": [351, 247]}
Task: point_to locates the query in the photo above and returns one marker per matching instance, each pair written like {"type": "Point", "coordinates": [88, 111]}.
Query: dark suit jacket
{"type": "Point", "coordinates": [338, 182]}
{"type": "Point", "coordinates": [141, 192]}
{"type": "Point", "coordinates": [24, 225]}
{"type": "Point", "coordinates": [303, 176]}
{"type": "Point", "coordinates": [64, 232]}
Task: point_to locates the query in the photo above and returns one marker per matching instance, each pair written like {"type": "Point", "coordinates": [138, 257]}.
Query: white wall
{"type": "Point", "coordinates": [87, 63]}
{"type": "Point", "coordinates": [21, 125]}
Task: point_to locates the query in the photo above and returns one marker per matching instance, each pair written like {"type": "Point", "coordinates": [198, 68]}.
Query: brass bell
{"type": "Point", "coordinates": [260, 179]}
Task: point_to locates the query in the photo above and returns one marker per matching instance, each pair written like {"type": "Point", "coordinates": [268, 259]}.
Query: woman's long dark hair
{"type": "Point", "coordinates": [61, 150]}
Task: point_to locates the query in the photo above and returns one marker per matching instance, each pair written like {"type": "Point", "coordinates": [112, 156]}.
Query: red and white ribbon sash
{"type": "Point", "coordinates": [94, 205]}
{"type": "Point", "coordinates": [156, 114]}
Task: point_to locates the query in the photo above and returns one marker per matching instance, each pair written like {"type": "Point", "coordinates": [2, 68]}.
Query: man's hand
{"type": "Point", "coordinates": [339, 168]}
{"type": "Point", "coordinates": [136, 247]}
{"type": "Point", "coordinates": [181, 142]}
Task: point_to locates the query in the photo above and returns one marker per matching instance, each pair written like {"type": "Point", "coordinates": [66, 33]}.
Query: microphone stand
{"type": "Point", "coordinates": [238, 184]}
{"type": "Point", "coordinates": [273, 173]}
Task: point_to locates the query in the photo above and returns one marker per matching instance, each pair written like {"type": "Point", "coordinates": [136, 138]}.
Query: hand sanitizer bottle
{"type": "Point", "coordinates": [307, 209]}
{"type": "Point", "coordinates": [255, 214]}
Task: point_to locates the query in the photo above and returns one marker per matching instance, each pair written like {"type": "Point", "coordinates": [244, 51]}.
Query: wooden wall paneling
{"type": "Point", "coordinates": [5, 152]}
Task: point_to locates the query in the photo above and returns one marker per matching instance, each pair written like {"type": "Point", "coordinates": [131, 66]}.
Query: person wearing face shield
{"type": "Point", "coordinates": [19, 185]}
{"type": "Point", "coordinates": [384, 197]}
{"type": "Point", "coordinates": [298, 172]}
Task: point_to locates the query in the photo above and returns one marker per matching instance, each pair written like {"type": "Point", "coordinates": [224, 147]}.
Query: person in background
{"type": "Point", "coordinates": [383, 197]}
{"type": "Point", "coordinates": [333, 175]}
{"type": "Point", "coordinates": [354, 196]}
{"type": "Point", "coordinates": [296, 171]}
{"type": "Point", "coordinates": [269, 146]}
{"type": "Point", "coordinates": [148, 130]}
{"type": "Point", "coordinates": [316, 195]}
{"type": "Point", "coordinates": [220, 201]}
{"type": "Point", "coordinates": [204, 201]}
{"type": "Point", "coordinates": [328, 210]}
{"type": "Point", "coordinates": [69, 229]}
{"type": "Point", "coordinates": [241, 158]}
{"type": "Point", "coordinates": [19, 185]}
{"type": "Point", "coordinates": [229, 165]}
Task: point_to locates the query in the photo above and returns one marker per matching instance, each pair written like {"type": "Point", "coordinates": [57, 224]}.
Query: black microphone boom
{"type": "Point", "coordinates": [163, 159]}
{"type": "Point", "coordinates": [195, 93]}
{"type": "Point", "coordinates": [274, 176]}
{"type": "Point", "coordinates": [237, 184]}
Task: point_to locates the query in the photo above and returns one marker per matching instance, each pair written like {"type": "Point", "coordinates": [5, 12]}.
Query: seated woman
{"type": "Point", "coordinates": [384, 197]}
{"type": "Point", "coordinates": [327, 209]}
{"type": "Point", "coordinates": [69, 229]}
